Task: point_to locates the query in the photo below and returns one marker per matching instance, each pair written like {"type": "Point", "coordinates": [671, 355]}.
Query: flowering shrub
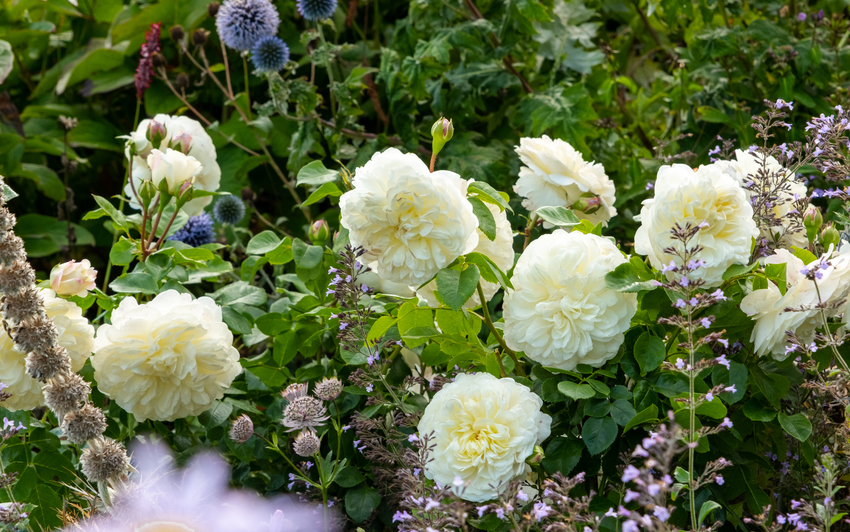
{"type": "Point", "coordinates": [535, 265]}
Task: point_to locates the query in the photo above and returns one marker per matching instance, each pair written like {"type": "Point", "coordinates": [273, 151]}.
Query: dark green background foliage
{"type": "Point", "coordinates": [629, 84]}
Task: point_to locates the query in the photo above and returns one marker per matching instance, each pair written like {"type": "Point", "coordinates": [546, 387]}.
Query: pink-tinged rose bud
{"type": "Point", "coordinates": [156, 133]}
{"type": "Point", "coordinates": [319, 232]}
{"type": "Point", "coordinates": [588, 203]}
{"type": "Point", "coordinates": [73, 278]}
{"type": "Point", "coordinates": [182, 142]}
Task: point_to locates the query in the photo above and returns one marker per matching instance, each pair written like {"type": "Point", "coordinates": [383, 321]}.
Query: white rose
{"type": "Point", "coordinates": [500, 250]}
{"type": "Point", "coordinates": [745, 168]}
{"type": "Point", "coordinates": [202, 149]}
{"type": "Point", "coordinates": [684, 196]}
{"type": "Point", "coordinates": [173, 167]}
{"type": "Point", "coordinates": [411, 222]}
{"type": "Point", "coordinates": [484, 429]}
{"type": "Point", "coordinates": [767, 306]}
{"type": "Point", "coordinates": [556, 175]}
{"type": "Point", "coordinates": [561, 313]}
{"type": "Point", "coordinates": [384, 286]}
{"type": "Point", "coordinates": [166, 359]}
{"type": "Point", "coordinates": [76, 335]}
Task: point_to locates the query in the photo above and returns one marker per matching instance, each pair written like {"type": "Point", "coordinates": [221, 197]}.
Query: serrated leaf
{"type": "Point", "coordinates": [486, 221]}
{"type": "Point", "coordinates": [797, 425]}
{"type": "Point", "coordinates": [598, 434]}
{"type": "Point", "coordinates": [575, 390]}
{"type": "Point", "coordinates": [457, 287]}
{"type": "Point", "coordinates": [489, 194]}
{"type": "Point", "coordinates": [649, 351]}
{"type": "Point", "coordinates": [315, 174]}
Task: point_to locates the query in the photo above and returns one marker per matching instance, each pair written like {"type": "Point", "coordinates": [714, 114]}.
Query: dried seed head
{"type": "Point", "coordinates": [182, 81]}
{"type": "Point", "coordinates": [104, 459]}
{"type": "Point", "coordinates": [294, 391]}
{"type": "Point", "coordinates": [85, 424]}
{"type": "Point", "coordinates": [212, 9]}
{"type": "Point", "coordinates": [44, 365]}
{"type": "Point", "coordinates": [200, 36]}
{"type": "Point", "coordinates": [65, 393]}
{"type": "Point", "coordinates": [328, 389]}
{"type": "Point", "coordinates": [158, 60]}
{"type": "Point", "coordinates": [242, 429]}
{"type": "Point", "coordinates": [36, 333]}
{"type": "Point", "coordinates": [21, 305]}
{"type": "Point", "coordinates": [306, 443]}
{"type": "Point", "coordinates": [304, 413]}
{"type": "Point", "coordinates": [16, 277]}
{"type": "Point", "coordinates": [7, 220]}
{"type": "Point", "coordinates": [177, 32]}
{"type": "Point", "coordinates": [12, 250]}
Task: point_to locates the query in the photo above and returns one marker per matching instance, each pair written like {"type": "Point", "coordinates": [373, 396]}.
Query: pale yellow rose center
{"type": "Point", "coordinates": [481, 435]}
{"type": "Point", "coordinates": [164, 526]}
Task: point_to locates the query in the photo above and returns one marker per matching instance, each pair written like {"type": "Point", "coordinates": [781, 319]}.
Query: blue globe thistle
{"type": "Point", "coordinates": [270, 54]}
{"type": "Point", "coordinates": [197, 231]}
{"type": "Point", "coordinates": [241, 23]}
{"type": "Point", "coordinates": [229, 210]}
{"type": "Point", "coordinates": [316, 9]}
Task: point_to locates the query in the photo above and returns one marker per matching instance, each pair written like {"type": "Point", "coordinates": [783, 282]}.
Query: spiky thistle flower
{"type": "Point", "coordinates": [229, 210]}
{"type": "Point", "coordinates": [304, 413]}
{"type": "Point", "coordinates": [328, 389]}
{"type": "Point", "coordinates": [242, 429]}
{"type": "Point", "coordinates": [316, 9]}
{"type": "Point", "coordinates": [270, 54]}
{"type": "Point", "coordinates": [241, 23]}
{"type": "Point", "coordinates": [197, 231]}
{"type": "Point", "coordinates": [306, 443]}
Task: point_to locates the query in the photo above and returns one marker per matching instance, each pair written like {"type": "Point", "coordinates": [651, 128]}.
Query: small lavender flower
{"type": "Point", "coordinates": [197, 231]}
{"type": "Point", "coordinates": [241, 23]}
{"type": "Point", "coordinates": [316, 9]}
{"type": "Point", "coordinates": [270, 54]}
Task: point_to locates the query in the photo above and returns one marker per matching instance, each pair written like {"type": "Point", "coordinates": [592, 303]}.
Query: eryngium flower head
{"type": "Point", "coordinates": [241, 23]}
{"type": "Point", "coordinates": [306, 443]}
{"type": "Point", "coordinates": [563, 316]}
{"type": "Point", "coordinates": [316, 9]}
{"type": "Point", "coordinates": [294, 391]}
{"type": "Point", "coordinates": [65, 393]}
{"type": "Point", "coordinates": [707, 198]}
{"type": "Point", "coordinates": [304, 413]}
{"type": "Point", "coordinates": [411, 222]}
{"type": "Point", "coordinates": [166, 359]}
{"type": "Point", "coordinates": [242, 429]}
{"type": "Point", "coordinates": [197, 231]}
{"type": "Point", "coordinates": [84, 424]}
{"type": "Point", "coordinates": [16, 277]}
{"type": "Point", "coordinates": [104, 459]}
{"type": "Point", "coordinates": [483, 430]}
{"type": "Point", "coordinates": [229, 210]}
{"type": "Point", "coordinates": [328, 389]}
{"type": "Point", "coordinates": [270, 54]}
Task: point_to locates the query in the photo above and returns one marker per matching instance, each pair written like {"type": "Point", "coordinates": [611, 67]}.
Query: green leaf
{"type": "Point", "coordinates": [361, 502]}
{"type": "Point", "coordinates": [306, 256]}
{"type": "Point", "coordinates": [629, 277]}
{"type": "Point", "coordinates": [117, 216]}
{"type": "Point", "coordinates": [598, 434]}
{"type": "Point", "coordinates": [706, 509]}
{"type": "Point", "coordinates": [240, 293]}
{"type": "Point", "coordinates": [457, 287]}
{"type": "Point", "coordinates": [315, 174]}
{"type": "Point", "coordinates": [774, 387]}
{"type": "Point", "coordinates": [489, 194]}
{"type": "Point", "coordinates": [558, 216]}
{"type": "Point", "coordinates": [47, 502]}
{"type": "Point", "coordinates": [272, 323]}
{"type": "Point", "coordinates": [122, 252]}
{"type": "Point", "coordinates": [648, 414]}
{"type": "Point", "coordinates": [135, 283]}
{"type": "Point", "coordinates": [237, 322]}
{"type": "Point", "coordinates": [575, 390]}
{"type": "Point", "coordinates": [755, 410]}
{"type": "Point", "coordinates": [797, 425]}
{"type": "Point", "coordinates": [349, 477]}
{"type": "Point", "coordinates": [282, 253]}
{"type": "Point", "coordinates": [649, 351]}
{"type": "Point", "coordinates": [328, 189]}
{"type": "Point", "coordinates": [714, 409]}
{"type": "Point", "coordinates": [8, 193]}
{"type": "Point", "coordinates": [7, 60]}
{"type": "Point", "coordinates": [262, 243]}
{"type": "Point", "coordinates": [285, 348]}
{"type": "Point", "coordinates": [710, 114]}
{"type": "Point", "coordinates": [489, 270]}
{"type": "Point", "coordinates": [380, 327]}
{"type": "Point", "coordinates": [45, 179]}
{"type": "Point", "coordinates": [562, 455]}
{"type": "Point", "coordinates": [623, 412]}
{"type": "Point", "coordinates": [486, 221]}
{"type": "Point", "coordinates": [803, 254]}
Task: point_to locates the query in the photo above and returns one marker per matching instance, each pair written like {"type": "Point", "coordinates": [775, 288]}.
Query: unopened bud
{"type": "Point", "coordinates": [200, 36]}
{"type": "Point", "coordinates": [212, 9]}
{"type": "Point", "coordinates": [812, 220]}
{"type": "Point", "coordinates": [158, 60]}
{"type": "Point", "coordinates": [186, 191]}
{"type": "Point", "coordinates": [537, 456]}
{"type": "Point", "coordinates": [177, 32]}
{"type": "Point", "coordinates": [441, 132]}
{"type": "Point", "coordinates": [182, 142]}
{"type": "Point", "coordinates": [587, 203]}
{"type": "Point", "coordinates": [829, 237]}
{"type": "Point", "coordinates": [182, 81]}
{"type": "Point", "coordinates": [319, 232]}
{"type": "Point", "coordinates": [156, 133]}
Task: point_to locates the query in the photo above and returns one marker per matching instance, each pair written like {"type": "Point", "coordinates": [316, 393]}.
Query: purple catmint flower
{"type": "Point", "coordinates": [631, 496]}
{"type": "Point", "coordinates": [801, 16]}
{"type": "Point", "coordinates": [723, 361]}
{"type": "Point", "coordinates": [630, 473]}
{"type": "Point", "coordinates": [719, 479]}
{"type": "Point", "coordinates": [541, 511]}
{"type": "Point", "coordinates": [727, 423]}
{"type": "Point", "coordinates": [630, 525]}
{"type": "Point", "coordinates": [661, 513]}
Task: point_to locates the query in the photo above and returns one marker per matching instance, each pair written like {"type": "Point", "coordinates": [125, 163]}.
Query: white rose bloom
{"type": "Point", "coordinates": [202, 149]}
{"type": "Point", "coordinates": [561, 313]}
{"type": "Point", "coordinates": [500, 250]}
{"type": "Point", "coordinates": [556, 175]}
{"type": "Point", "coordinates": [411, 222]}
{"type": "Point", "coordinates": [745, 168]}
{"type": "Point", "coordinates": [173, 167]}
{"type": "Point", "coordinates": [484, 429]}
{"type": "Point", "coordinates": [767, 306]}
{"type": "Point", "coordinates": [684, 196]}
{"type": "Point", "coordinates": [384, 286]}
{"type": "Point", "coordinates": [167, 359]}
{"type": "Point", "coordinates": [76, 335]}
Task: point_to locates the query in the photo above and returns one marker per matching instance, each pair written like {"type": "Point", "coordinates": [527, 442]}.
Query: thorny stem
{"type": "Point", "coordinates": [826, 331]}
{"type": "Point", "coordinates": [517, 366]}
